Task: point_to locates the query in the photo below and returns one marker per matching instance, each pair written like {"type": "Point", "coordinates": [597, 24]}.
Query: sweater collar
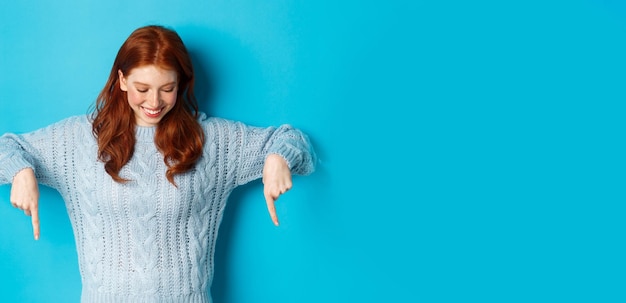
{"type": "Point", "coordinates": [144, 133]}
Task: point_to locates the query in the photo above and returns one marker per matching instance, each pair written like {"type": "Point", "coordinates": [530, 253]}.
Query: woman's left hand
{"type": "Point", "coordinates": [276, 180]}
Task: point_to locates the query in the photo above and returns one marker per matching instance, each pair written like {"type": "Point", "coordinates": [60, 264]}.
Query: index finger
{"type": "Point", "coordinates": [35, 221]}
{"type": "Point", "coordinates": [271, 207]}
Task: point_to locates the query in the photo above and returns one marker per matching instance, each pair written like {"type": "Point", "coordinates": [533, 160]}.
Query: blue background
{"type": "Point", "coordinates": [471, 151]}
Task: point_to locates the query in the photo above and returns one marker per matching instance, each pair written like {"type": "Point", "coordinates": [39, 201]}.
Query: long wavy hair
{"type": "Point", "coordinates": [179, 136]}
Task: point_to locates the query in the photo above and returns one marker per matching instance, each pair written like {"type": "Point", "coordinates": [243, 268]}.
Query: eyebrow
{"type": "Point", "coordinates": [166, 84]}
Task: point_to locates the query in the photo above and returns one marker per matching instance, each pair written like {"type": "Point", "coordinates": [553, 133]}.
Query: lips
{"type": "Point", "coordinates": [152, 113]}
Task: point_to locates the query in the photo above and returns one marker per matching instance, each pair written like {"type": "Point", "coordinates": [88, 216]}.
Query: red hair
{"type": "Point", "coordinates": [179, 136]}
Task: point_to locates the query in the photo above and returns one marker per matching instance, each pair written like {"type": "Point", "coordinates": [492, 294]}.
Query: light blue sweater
{"type": "Point", "coordinates": [146, 240]}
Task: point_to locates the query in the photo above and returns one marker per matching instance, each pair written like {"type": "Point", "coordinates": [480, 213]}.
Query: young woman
{"type": "Point", "coordinates": [145, 177]}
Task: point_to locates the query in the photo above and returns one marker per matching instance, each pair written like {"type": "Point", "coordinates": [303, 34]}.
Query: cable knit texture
{"type": "Point", "coordinates": [146, 240]}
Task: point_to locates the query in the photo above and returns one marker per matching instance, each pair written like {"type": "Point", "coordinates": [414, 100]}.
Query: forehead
{"type": "Point", "coordinates": [152, 74]}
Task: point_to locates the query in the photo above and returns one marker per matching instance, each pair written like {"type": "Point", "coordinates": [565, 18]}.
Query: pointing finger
{"type": "Point", "coordinates": [271, 207]}
{"type": "Point", "coordinates": [35, 220]}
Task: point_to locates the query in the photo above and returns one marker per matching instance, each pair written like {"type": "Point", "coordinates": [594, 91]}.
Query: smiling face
{"type": "Point", "coordinates": [151, 92]}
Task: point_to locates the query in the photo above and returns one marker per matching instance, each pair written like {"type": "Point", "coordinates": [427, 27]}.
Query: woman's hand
{"type": "Point", "coordinates": [276, 180]}
{"type": "Point", "coordinates": [25, 196]}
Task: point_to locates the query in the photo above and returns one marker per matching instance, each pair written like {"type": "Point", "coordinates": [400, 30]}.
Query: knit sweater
{"type": "Point", "coordinates": [147, 240]}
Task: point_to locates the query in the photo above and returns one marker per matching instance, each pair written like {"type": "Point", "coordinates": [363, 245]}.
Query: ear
{"type": "Point", "coordinates": [122, 80]}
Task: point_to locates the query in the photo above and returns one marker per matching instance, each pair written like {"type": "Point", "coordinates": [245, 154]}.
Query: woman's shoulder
{"type": "Point", "coordinates": [78, 124]}
{"type": "Point", "coordinates": [211, 121]}
{"type": "Point", "coordinates": [80, 119]}
{"type": "Point", "coordinates": [75, 121]}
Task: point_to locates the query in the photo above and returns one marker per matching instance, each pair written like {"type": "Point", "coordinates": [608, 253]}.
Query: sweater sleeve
{"type": "Point", "coordinates": [42, 150]}
{"type": "Point", "coordinates": [13, 157]}
{"type": "Point", "coordinates": [257, 143]}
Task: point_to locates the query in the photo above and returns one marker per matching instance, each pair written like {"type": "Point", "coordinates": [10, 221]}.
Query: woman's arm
{"type": "Point", "coordinates": [291, 144]}
{"type": "Point", "coordinates": [17, 167]}
{"type": "Point", "coordinates": [247, 153]}
{"type": "Point", "coordinates": [280, 151]}
{"type": "Point", "coordinates": [47, 151]}
{"type": "Point", "coordinates": [32, 158]}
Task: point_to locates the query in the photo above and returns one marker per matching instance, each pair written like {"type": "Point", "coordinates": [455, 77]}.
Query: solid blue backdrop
{"type": "Point", "coordinates": [471, 151]}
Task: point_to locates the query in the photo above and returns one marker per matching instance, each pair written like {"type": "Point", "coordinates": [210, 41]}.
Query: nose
{"type": "Point", "coordinates": [154, 100]}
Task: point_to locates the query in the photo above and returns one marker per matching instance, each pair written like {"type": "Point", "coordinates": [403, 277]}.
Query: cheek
{"type": "Point", "coordinates": [171, 99]}
{"type": "Point", "coordinates": [134, 98]}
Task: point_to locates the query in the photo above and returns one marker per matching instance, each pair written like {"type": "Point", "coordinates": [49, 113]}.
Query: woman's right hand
{"type": "Point", "coordinates": [25, 196]}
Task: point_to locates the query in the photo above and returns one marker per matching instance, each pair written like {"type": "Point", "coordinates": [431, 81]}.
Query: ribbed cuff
{"type": "Point", "coordinates": [13, 166]}
{"type": "Point", "coordinates": [289, 153]}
